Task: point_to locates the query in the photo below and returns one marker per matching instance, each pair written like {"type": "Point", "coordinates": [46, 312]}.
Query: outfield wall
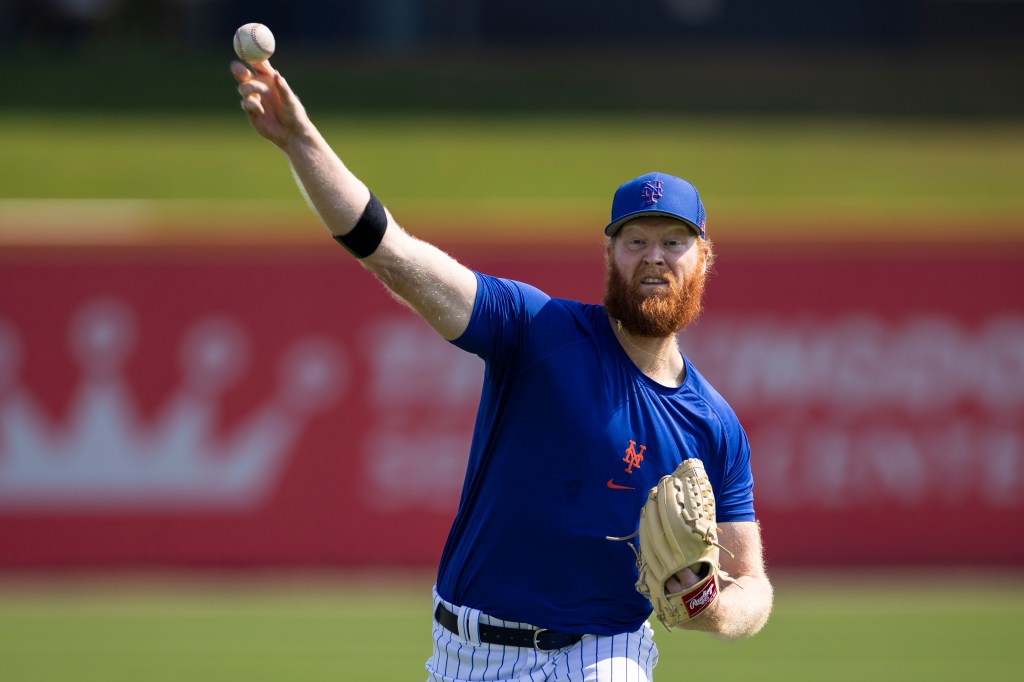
{"type": "Point", "coordinates": [273, 406]}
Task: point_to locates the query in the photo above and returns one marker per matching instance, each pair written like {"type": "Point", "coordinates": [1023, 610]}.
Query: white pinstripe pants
{"type": "Point", "coordinates": [629, 657]}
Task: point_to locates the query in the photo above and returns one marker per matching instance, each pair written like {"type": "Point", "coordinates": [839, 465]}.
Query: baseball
{"type": "Point", "coordinates": [254, 43]}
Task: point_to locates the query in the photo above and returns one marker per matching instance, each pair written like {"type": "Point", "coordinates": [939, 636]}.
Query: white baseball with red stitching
{"type": "Point", "coordinates": [254, 43]}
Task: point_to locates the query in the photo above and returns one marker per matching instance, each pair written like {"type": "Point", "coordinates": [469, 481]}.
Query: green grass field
{"type": "Point", "coordinates": [544, 175]}
{"type": "Point", "coordinates": [824, 627]}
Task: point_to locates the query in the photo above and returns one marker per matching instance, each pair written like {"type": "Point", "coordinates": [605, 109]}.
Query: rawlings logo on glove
{"type": "Point", "coordinates": [703, 599]}
{"type": "Point", "coordinates": [677, 531]}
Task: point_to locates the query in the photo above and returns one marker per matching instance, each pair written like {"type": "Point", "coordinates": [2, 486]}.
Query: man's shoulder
{"type": "Point", "coordinates": [575, 307]}
{"type": "Point", "coordinates": [703, 388]}
{"type": "Point", "coordinates": [545, 318]}
{"type": "Point", "coordinates": [584, 315]}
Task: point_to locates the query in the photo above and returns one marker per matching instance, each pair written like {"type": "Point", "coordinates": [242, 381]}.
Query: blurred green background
{"type": "Point", "coordinates": [478, 176]}
{"type": "Point", "coordinates": [899, 120]}
{"type": "Point", "coordinates": [873, 118]}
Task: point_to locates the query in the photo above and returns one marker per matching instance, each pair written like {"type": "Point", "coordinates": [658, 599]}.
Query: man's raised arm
{"type": "Point", "coordinates": [430, 281]}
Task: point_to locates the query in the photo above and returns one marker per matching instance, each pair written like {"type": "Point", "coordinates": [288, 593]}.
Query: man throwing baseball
{"type": "Point", "coordinates": [606, 477]}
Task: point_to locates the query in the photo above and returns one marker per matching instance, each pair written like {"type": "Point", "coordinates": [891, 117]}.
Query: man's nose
{"type": "Point", "coordinates": [654, 254]}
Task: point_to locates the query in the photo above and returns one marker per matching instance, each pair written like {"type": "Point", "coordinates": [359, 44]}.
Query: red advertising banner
{"type": "Point", "coordinates": [275, 406]}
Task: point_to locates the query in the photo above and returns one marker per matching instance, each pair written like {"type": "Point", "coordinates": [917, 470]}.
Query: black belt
{"type": "Point", "coordinates": [540, 639]}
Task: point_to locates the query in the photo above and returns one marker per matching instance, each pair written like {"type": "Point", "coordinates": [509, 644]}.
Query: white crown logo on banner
{"type": "Point", "coordinates": [104, 454]}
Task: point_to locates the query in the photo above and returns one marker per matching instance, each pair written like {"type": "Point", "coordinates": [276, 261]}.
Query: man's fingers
{"type": "Point", "coordinates": [253, 87]}
{"type": "Point", "coordinates": [681, 580]}
{"type": "Point", "coordinates": [240, 71]}
{"type": "Point", "coordinates": [263, 67]}
{"type": "Point", "coordinates": [282, 86]}
{"type": "Point", "coordinates": [253, 106]}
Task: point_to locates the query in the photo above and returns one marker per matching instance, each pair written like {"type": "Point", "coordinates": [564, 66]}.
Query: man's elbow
{"type": "Point", "coordinates": [744, 630]}
{"type": "Point", "coordinates": [758, 609]}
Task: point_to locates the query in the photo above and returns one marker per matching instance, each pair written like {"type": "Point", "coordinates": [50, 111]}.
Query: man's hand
{"type": "Point", "coordinates": [680, 581]}
{"type": "Point", "coordinates": [273, 109]}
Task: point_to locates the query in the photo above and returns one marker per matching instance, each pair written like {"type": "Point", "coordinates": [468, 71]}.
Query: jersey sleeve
{"type": "Point", "coordinates": [735, 500]}
{"type": "Point", "coordinates": [501, 313]}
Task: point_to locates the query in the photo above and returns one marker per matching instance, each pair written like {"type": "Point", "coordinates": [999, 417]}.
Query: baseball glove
{"type": "Point", "coordinates": [677, 531]}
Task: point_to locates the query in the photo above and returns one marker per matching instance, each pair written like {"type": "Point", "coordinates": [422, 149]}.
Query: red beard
{"type": "Point", "coordinates": [658, 315]}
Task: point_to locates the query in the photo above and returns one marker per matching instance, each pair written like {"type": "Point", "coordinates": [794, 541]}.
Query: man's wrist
{"type": "Point", "coordinates": [301, 141]}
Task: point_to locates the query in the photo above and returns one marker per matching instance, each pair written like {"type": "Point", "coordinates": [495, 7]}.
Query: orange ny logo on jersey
{"type": "Point", "coordinates": [633, 457]}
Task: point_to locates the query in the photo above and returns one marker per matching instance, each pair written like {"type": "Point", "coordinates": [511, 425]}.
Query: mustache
{"type": "Point", "coordinates": [653, 273]}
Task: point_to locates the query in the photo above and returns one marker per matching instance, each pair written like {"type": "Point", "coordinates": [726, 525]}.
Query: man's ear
{"type": "Point", "coordinates": [706, 258]}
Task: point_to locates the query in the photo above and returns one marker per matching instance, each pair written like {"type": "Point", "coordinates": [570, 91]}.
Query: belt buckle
{"type": "Point", "coordinates": [536, 640]}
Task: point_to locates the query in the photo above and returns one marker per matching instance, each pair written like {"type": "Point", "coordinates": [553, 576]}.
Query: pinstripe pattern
{"type": "Point", "coordinates": [629, 657]}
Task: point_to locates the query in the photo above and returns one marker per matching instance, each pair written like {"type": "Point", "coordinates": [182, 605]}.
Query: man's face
{"type": "Point", "coordinates": [655, 276]}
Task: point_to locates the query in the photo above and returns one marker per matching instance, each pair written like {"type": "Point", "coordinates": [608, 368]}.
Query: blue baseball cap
{"type": "Point", "coordinates": [657, 194]}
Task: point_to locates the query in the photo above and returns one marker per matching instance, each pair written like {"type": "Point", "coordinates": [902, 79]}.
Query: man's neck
{"type": "Point", "coordinates": [658, 358]}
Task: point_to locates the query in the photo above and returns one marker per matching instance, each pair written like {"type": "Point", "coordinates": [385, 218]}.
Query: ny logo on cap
{"type": "Point", "coordinates": [650, 191]}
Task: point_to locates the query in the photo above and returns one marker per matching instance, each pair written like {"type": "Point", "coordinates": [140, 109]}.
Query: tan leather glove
{"type": "Point", "coordinates": [677, 531]}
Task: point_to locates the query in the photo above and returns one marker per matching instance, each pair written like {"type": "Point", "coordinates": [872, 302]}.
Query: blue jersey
{"type": "Point", "coordinates": [569, 438]}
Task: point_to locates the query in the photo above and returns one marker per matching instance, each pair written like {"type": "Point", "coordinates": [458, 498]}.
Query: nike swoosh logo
{"type": "Point", "coordinates": [616, 486]}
